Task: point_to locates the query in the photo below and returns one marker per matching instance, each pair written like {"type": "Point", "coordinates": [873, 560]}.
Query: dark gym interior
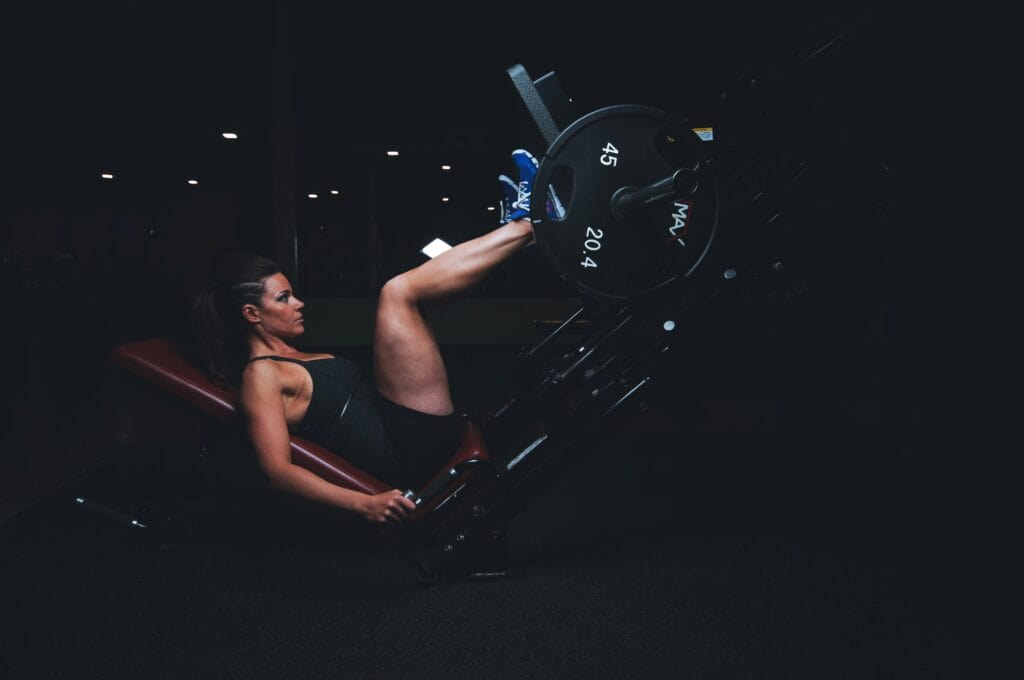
{"type": "Point", "coordinates": [777, 505]}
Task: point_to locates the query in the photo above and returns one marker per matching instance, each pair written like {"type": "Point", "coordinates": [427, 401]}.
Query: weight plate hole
{"type": "Point", "coordinates": [560, 192]}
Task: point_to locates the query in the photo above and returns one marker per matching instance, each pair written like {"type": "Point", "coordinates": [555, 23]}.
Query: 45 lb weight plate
{"type": "Point", "coordinates": [640, 200]}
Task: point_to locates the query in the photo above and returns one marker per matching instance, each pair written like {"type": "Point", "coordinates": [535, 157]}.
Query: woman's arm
{"type": "Point", "coordinates": [268, 430]}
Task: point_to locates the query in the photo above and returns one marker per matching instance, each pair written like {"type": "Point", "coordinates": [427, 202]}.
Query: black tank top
{"type": "Point", "coordinates": [343, 416]}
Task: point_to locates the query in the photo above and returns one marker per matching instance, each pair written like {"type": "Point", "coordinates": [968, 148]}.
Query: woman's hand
{"type": "Point", "coordinates": [389, 507]}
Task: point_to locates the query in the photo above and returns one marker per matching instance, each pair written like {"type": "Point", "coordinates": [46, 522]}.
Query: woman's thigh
{"type": "Point", "coordinates": [407, 363]}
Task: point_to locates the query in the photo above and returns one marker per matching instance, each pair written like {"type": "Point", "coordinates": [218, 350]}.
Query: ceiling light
{"type": "Point", "coordinates": [193, 181]}
{"type": "Point", "coordinates": [392, 153]}
{"type": "Point", "coordinates": [229, 135]}
{"type": "Point", "coordinates": [313, 195]}
{"type": "Point", "coordinates": [444, 199]}
{"type": "Point", "coordinates": [334, 192]}
{"type": "Point", "coordinates": [446, 167]}
{"type": "Point", "coordinates": [490, 208]}
{"type": "Point", "coordinates": [107, 175]}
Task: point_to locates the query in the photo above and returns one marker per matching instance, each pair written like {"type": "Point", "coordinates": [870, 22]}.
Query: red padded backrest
{"type": "Point", "coordinates": [160, 362]}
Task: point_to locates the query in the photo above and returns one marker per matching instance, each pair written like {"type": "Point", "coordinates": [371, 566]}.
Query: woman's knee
{"type": "Point", "coordinates": [398, 310]}
{"type": "Point", "coordinates": [398, 290]}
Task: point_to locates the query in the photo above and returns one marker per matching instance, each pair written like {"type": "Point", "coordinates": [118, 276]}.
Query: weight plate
{"type": "Point", "coordinates": [605, 154]}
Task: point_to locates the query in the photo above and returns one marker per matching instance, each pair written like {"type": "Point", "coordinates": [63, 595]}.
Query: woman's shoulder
{"type": "Point", "coordinates": [260, 374]}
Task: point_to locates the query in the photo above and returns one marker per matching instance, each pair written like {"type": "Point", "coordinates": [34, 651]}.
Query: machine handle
{"type": "Point", "coordinates": [440, 483]}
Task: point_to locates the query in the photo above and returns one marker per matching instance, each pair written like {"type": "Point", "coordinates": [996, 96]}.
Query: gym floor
{"type": "Point", "coordinates": [789, 553]}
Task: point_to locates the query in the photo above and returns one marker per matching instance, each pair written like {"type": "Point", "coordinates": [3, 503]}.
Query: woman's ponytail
{"type": "Point", "coordinates": [222, 332]}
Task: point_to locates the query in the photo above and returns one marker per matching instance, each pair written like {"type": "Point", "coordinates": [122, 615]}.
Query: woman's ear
{"type": "Point", "coordinates": [251, 313]}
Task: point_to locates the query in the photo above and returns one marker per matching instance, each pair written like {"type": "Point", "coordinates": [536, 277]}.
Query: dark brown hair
{"type": "Point", "coordinates": [238, 279]}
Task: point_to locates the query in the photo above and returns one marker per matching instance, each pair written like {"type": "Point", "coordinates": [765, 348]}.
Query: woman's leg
{"type": "Point", "coordinates": [407, 363]}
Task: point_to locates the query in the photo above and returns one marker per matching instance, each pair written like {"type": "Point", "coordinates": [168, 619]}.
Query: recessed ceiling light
{"type": "Point", "coordinates": [229, 135]}
{"type": "Point", "coordinates": [107, 175]}
{"type": "Point", "coordinates": [313, 195]}
{"type": "Point", "coordinates": [392, 153]}
{"type": "Point", "coordinates": [444, 199]}
{"type": "Point", "coordinates": [490, 208]}
{"type": "Point", "coordinates": [193, 181]}
{"type": "Point", "coordinates": [334, 192]}
{"type": "Point", "coordinates": [446, 167]}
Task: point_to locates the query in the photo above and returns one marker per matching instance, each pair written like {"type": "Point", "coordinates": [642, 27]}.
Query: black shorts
{"type": "Point", "coordinates": [423, 442]}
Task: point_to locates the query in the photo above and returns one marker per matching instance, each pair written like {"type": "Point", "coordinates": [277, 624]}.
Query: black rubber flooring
{"type": "Point", "coordinates": [727, 556]}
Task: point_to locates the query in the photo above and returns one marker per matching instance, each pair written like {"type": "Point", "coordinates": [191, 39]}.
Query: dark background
{"type": "Point", "coordinates": [814, 418]}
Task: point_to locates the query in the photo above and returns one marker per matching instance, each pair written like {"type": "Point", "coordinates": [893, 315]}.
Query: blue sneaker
{"type": "Point", "coordinates": [527, 166]}
{"type": "Point", "coordinates": [510, 192]}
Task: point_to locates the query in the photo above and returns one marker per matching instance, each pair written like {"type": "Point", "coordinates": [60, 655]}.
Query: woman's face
{"type": "Point", "coordinates": [279, 312]}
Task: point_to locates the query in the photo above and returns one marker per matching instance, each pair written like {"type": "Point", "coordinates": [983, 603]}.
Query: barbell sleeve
{"type": "Point", "coordinates": [628, 200]}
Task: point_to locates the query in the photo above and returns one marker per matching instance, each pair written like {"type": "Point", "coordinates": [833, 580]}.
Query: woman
{"type": "Point", "coordinates": [402, 428]}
